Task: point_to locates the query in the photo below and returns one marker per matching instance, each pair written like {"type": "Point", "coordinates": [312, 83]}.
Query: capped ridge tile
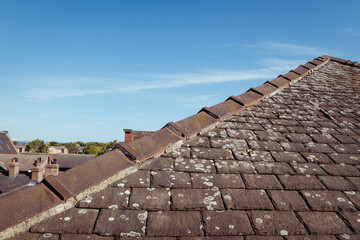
{"type": "Point", "coordinates": [94, 172]}
{"type": "Point", "coordinates": [195, 124]}
{"type": "Point", "coordinates": [57, 187]}
{"type": "Point", "coordinates": [224, 109]}
{"type": "Point", "coordinates": [150, 146]}
{"type": "Point", "coordinates": [248, 98]}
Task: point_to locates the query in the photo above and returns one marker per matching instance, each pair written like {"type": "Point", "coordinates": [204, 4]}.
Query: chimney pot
{"type": "Point", "coordinates": [37, 174]}
{"type": "Point", "coordinates": [14, 168]}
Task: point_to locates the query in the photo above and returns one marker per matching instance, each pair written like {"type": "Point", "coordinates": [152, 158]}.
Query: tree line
{"type": "Point", "coordinates": [79, 147]}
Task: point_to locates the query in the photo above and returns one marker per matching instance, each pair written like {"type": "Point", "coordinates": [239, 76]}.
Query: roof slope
{"type": "Point", "coordinates": [284, 168]}
{"type": "Point", "coordinates": [6, 145]}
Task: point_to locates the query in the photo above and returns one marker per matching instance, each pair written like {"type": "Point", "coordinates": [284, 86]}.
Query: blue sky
{"type": "Point", "coordinates": [84, 70]}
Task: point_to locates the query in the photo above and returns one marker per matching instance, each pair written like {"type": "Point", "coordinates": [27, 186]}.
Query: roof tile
{"type": "Point", "coordinates": [277, 223]}
{"type": "Point", "coordinates": [247, 99]}
{"type": "Point", "coordinates": [158, 224]}
{"type": "Point", "coordinates": [94, 171]}
{"type": "Point", "coordinates": [227, 223]}
{"type": "Point", "coordinates": [301, 70]}
{"type": "Point", "coordinates": [255, 199]}
{"type": "Point", "coordinates": [149, 146]}
{"type": "Point", "coordinates": [324, 223]}
{"type": "Point", "coordinates": [288, 200]}
{"type": "Point", "coordinates": [71, 221]}
{"type": "Point", "coordinates": [124, 223]}
{"type": "Point", "coordinates": [267, 89]}
{"type": "Point", "coordinates": [25, 200]}
{"type": "Point", "coordinates": [194, 124]}
{"type": "Point", "coordinates": [224, 109]}
{"type": "Point", "coordinates": [280, 82]}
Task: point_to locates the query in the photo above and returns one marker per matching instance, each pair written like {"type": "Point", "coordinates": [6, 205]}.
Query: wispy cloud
{"type": "Point", "coordinates": [95, 86]}
{"type": "Point", "coordinates": [196, 102]}
{"type": "Point", "coordinates": [349, 32]}
{"type": "Point", "coordinates": [300, 50]}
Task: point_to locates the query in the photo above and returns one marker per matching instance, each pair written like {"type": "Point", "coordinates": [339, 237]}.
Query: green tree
{"type": "Point", "coordinates": [37, 146]}
{"type": "Point", "coordinates": [52, 143]}
{"type": "Point", "coordinates": [15, 142]}
{"type": "Point", "coordinates": [93, 149]}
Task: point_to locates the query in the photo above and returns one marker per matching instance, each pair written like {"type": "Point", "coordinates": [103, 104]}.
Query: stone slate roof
{"type": "Point", "coordinates": [258, 166]}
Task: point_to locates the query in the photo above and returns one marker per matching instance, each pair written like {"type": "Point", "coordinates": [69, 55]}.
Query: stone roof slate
{"type": "Point", "coordinates": [274, 166]}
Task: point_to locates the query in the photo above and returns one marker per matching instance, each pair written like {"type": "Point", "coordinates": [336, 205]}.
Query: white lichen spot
{"type": "Point", "coordinates": [135, 205]}
{"type": "Point", "coordinates": [231, 226]}
{"type": "Point", "coordinates": [227, 197]}
{"type": "Point", "coordinates": [142, 216]}
{"type": "Point", "coordinates": [283, 233]}
{"type": "Point", "coordinates": [341, 199]}
{"type": "Point", "coordinates": [88, 199]}
{"type": "Point", "coordinates": [113, 207]}
{"type": "Point", "coordinates": [121, 185]}
{"type": "Point", "coordinates": [111, 219]}
{"type": "Point", "coordinates": [345, 236]}
{"type": "Point", "coordinates": [350, 192]}
{"type": "Point", "coordinates": [82, 211]}
{"type": "Point", "coordinates": [259, 220]}
{"type": "Point", "coordinates": [131, 234]}
{"type": "Point", "coordinates": [266, 216]}
{"type": "Point", "coordinates": [150, 189]}
{"type": "Point", "coordinates": [67, 219]}
{"type": "Point", "coordinates": [217, 228]}
{"type": "Point", "coordinates": [47, 235]}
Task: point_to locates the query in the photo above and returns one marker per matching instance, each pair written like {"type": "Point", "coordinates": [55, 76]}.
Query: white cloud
{"type": "Point", "coordinates": [349, 32]}
{"type": "Point", "coordinates": [291, 49]}
{"type": "Point", "coordinates": [76, 88]}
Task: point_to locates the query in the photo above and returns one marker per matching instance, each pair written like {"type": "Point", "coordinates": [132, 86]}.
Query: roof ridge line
{"type": "Point", "coordinates": [343, 61]}
{"type": "Point", "coordinates": [207, 118]}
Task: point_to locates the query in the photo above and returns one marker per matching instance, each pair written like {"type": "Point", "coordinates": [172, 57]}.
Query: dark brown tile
{"type": "Point", "coordinates": [241, 199]}
{"type": "Point", "coordinates": [196, 199]}
{"type": "Point", "coordinates": [227, 223]}
{"type": "Point", "coordinates": [288, 157]}
{"type": "Point", "coordinates": [150, 199]}
{"type": "Point", "coordinates": [324, 223]}
{"type": "Point", "coordinates": [328, 201]}
{"type": "Point", "coordinates": [288, 200]}
{"type": "Point", "coordinates": [75, 220]}
{"type": "Point", "coordinates": [170, 179]}
{"type": "Point", "coordinates": [125, 223]}
{"type": "Point", "coordinates": [257, 181]}
{"type": "Point", "coordinates": [280, 223]}
{"type": "Point", "coordinates": [111, 197]}
{"type": "Point", "coordinates": [211, 153]}
{"type": "Point", "coordinates": [234, 167]}
{"type": "Point", "coordinates": [337, 183]}
{"type": "Point", "coordinates": [200, 180]}
{"type": "Point", "coordinates": [273, 168]}
{"type": "Point", "coordinates": [300, 182]}
{"type": "Point", "coordinates": [158, 224]}
{"type": "Point", "coordinates": [140, 178]}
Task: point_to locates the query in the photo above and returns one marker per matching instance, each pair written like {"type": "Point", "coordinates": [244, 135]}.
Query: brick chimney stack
{"type": "Point", "coordinates": [37, 171]}
{"type": "Point", "coordinates": [14, 167]}
{"type": "Point", "coordinates": [51, 168]}
{"type": "Point", "coordinates": [128, 135]}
